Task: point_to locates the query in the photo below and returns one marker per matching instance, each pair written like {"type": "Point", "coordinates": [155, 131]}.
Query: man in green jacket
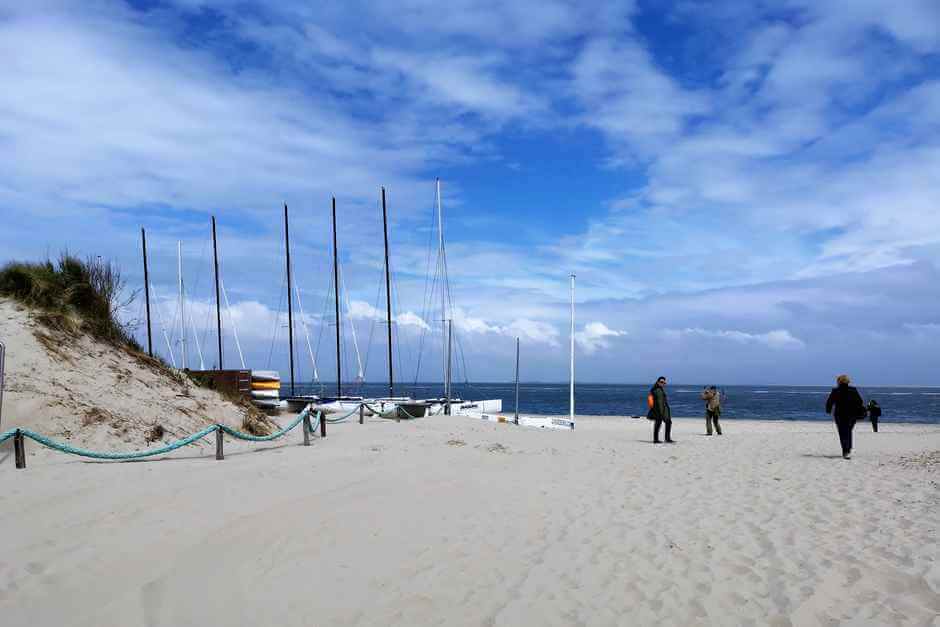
{"type": "Point", "coordinates": [660, 412]}
{"type": "Point", "coordinates": [712, 398]}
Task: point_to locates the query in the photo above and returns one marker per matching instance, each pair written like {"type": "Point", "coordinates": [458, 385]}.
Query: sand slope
{"type": "Point", "coordinates": [451, 521]}
{"type": "Point", "coordinates": [94, 395]}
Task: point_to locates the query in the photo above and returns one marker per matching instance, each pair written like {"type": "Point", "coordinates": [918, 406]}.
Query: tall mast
{"type": "Point", "coordinates": [290, 313]}
{"type": "Point", "coordinates": [388, 298]}
{"type": "Point", "coordinates": [179, 274]}
{"type": "Point", "coordinates": [443, 266]}
{"type": "Point", "coordinates": [218, 304]}
{"type": "Point", "coordinates": [571, 384]}
{"type": "Point", "coordinates": [339, 371]}
{"type": "Point", "coordinates": [143, 239]}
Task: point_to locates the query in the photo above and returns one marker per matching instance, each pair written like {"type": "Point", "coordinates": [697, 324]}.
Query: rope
{"type": "Point", "coordinates": [345, 416]}
{"type": "Point", "coordinates": [74, 450]}
{"type": "Point", "coordinates": [267, 438]}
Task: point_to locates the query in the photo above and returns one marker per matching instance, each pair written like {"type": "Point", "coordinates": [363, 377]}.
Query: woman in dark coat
{"type": "Point", "coordinates": [846, 406]}
{"type": "Point", "coordinates": [659, 411]}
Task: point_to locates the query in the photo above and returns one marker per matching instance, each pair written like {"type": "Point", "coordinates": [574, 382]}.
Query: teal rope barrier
{"type": "Point", "coordinates": [267, 438]}
{"type": "Point", "coordinates": [344, 417]}
{"type": "Point", "coordinates": [74, 450]}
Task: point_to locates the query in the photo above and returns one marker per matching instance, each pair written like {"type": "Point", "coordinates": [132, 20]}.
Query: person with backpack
{"type": "Point", "coordinates": [874, 412]}
{"type": "Point", "coordinates": [846, 406]}
{"type": "Point", "coordinates": [712, 399]}
{"type": "Point", "coordinates": [659, 411]}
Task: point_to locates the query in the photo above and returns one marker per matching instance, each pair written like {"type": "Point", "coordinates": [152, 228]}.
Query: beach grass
{"type": "Point", "coordinates": [73, 295]}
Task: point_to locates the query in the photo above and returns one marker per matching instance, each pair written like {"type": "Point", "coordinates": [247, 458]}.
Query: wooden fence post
{"type": "Point", "coordinates": [19, 449]}
{"type": "Point", "coordinates": [322, 425]}
{"type": "Point", "coordinates": [219, 453]}
{"type": "Point", "coordinates": [362, 413]}
{"type": "Point", "coordinates": [307, 429]}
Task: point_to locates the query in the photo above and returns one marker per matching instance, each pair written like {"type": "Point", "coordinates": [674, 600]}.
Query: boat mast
{"type": "Point", "coordinates": [339, 384]}
{"type": "Point", "coordinates": [143, 239]}
{"type": "Point", "coordinates": [218, 304]}
{"type": "Point", "coordinates": [571, 383]}
{"type": "Point", "coordinates": [443, 266]}
{"type": "Point", "coordinates": [388, 298]}
{"type": "Point", "coordinates": [290, 313]}
{"type": "Point", "coordinates": [179, 274]}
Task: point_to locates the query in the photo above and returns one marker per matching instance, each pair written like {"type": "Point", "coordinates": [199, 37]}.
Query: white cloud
{"type": "Point", "coordinates": [361, 310]}
{"type": "Point", "coordinates": [778, 339]}
{"type": "Point", "coordinates": [595, 336]}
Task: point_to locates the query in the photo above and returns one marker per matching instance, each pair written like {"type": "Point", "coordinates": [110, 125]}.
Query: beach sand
{"type": "Point", "coordinates": [454, 521]}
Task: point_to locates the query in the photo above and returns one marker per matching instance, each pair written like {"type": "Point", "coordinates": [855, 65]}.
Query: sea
{"type": "Point", "coordinates": [899, 404]}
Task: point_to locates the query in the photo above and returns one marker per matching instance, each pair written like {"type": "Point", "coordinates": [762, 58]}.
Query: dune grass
{"type": "Point", "coordinates": [72, 294]}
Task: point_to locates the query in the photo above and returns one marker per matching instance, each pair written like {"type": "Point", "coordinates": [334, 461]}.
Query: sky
{"type": "Point", "coordinates": [746, 192]}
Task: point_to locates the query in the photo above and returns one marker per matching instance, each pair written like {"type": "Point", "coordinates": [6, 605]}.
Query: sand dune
{"type": "Point", "coordinates": [450, 521]}
{"type": "Point", "coordinates": [92, 394]}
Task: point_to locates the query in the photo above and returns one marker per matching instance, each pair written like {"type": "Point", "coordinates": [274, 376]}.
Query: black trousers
{"type": "Point", "coordinates": [845, 426]}
{"type": "Point", "coordinates": [874, 423]}
{"type": "Point", "coordinates": [656, 424]}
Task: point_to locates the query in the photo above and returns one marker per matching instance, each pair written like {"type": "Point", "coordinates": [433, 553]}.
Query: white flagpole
{"type": "Point", "coordinates": [571, 383]}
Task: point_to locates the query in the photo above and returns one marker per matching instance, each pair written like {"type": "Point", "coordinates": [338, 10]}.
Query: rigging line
{"type": "Point", "coordinates": [397, 329]}
{"type": "Point", "coordinates": [325, 313]}
{"type": "Point", "coordinates": [303, 324]}
{"type": "Point", "coordinates": [427, 279]}
{"type": "Point", "coordinates": [352, 324]}
{"type": "Point", "coordinates": [166, 337]}
{"type": "Point", "coordinates": [228, 309]}
{"type": "Point", "coordinates": [192, 325]}
{"type": "Point", "coordinates": [277, 316]}
{"type": "Point", "coordinates": [378, 295]}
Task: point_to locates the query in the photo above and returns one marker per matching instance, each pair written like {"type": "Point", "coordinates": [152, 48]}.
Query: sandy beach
{"type": "Point", "coordinates": [454, 521]}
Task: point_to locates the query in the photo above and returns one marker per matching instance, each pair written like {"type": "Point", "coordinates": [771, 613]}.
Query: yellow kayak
{"type": "Point", "coordinates": [265, 385]}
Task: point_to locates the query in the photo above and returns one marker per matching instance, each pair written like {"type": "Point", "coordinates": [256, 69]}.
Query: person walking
{"type": "Point", "coordinates": [846, 406]}
{"type": "Point", "coordinates": [712, 399]}
{"type": "Point", "coordinates": [659, 411]}
{"type": "Point", "coordinates": [874, 412]}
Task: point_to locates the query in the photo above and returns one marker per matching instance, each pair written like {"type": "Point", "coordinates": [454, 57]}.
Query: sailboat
{"type": "Point", "coordinates": [338, 403]}
{"type": "Point", "coordinates": [448, 404]}
{"type": "Point", "coordinates": [392, 406]}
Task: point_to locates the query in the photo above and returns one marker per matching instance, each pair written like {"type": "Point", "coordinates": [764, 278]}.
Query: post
{"type": "Point", "coordinates": [339, 381]}
{"type": "Point", "coordinates": [218, 305]}
{"type": "Point", "coordinates": [19, 449]}
{"type": "Point", "coordinates": [143, 239]}
{"type": "Point", "coordinates": [516, 420]}
{"type": "Point", "coordinates": [388, 298]}
{"type": "Point", "coordinates": [290, 313]}
{"type": "Point", "coordinates": [362, 413]}
{"type": "Point", "coordinates": [219, 453]}
{"type": "Point", "coordinates": [322, 425]}
{"type": "Point", "coordinates": [571, 383]}
{"type": "Point", "coordinates": [450, 327]}
{"type": "Point", "coordinates": [307, 427]}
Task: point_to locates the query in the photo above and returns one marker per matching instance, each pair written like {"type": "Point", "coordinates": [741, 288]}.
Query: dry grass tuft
{"type": "Point", "coordinates": [155, 434]}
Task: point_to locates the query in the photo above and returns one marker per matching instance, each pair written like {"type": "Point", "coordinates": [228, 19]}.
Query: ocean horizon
{"type": "Point", "coordinates": [913, 404]}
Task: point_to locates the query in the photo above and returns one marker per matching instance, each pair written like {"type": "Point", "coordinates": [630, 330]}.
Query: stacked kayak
{"type": "Point", "coordinates": [266, 389]}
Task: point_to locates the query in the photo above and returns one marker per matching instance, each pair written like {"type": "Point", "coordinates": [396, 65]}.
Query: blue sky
{"type": "Point", "coordinates": [748, 192]}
